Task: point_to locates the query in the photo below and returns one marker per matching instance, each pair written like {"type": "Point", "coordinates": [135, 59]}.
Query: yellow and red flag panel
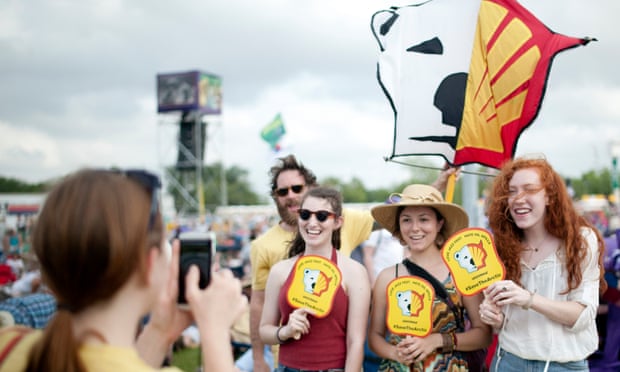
{"type": "Point", "coordinates": [464, 87]}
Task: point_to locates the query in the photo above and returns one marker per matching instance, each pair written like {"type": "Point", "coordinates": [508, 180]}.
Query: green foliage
{"type": "Point", "coordinates": [593, 182]}
{"type": "Point", "coordinates": [187, 359]}
{"type": "Point", "coordinates": [238, 189]}
{"type": "Point", "coordinates": [12, 185]}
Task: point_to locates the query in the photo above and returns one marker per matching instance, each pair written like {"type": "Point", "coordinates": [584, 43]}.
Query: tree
{"type": "Point", "coordinates": [592, 182]}
{"type": "Point", "coordinates": [12, 185]}
{"type": "Point", "coordinates": [238, 187]}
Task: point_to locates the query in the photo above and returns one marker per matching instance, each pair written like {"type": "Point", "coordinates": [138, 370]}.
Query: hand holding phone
{"type": "Point", "coordinates": [197, 248]}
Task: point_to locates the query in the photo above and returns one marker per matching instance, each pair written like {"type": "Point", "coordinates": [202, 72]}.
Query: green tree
{"type": "Point", "coordinates": [592, 182]}
{"type": "Point", "coordinates": [12, 185]}
{"type": "Point", "coordinates": [352, 191]}
{"type": "Point", "coordinates": [238, 189]}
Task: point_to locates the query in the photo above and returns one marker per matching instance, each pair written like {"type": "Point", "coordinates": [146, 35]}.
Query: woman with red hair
{"type": "Point", "coordinates": [545, 310]}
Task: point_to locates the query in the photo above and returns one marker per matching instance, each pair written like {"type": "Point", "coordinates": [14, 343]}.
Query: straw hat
{"type": "Point", "coordinates": [455, 217]}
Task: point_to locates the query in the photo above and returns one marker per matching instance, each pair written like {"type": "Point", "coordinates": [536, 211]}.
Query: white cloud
{"type": "Point", "coordinates": [78, 81]}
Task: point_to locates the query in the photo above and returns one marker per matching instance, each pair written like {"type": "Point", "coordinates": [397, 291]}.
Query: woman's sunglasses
{"type": "Point", "coordinates": [321, 216]}
{"type": "Point", "coordinates": [284, 190]}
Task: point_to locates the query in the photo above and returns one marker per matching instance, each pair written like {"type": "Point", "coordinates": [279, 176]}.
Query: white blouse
{"type": "Point", "coordinates": [530, 335]}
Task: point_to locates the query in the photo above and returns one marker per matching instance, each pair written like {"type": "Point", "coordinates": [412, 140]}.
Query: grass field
{"type": "Point", "coordinates": [187, 359]}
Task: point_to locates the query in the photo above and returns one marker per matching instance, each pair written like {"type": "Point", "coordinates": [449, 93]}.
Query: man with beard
{"type": "Point", "coordinates": [290, 180]}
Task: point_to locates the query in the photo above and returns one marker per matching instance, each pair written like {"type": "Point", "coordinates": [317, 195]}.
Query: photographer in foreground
{"type": "Point", "coordinates": [101, 246]}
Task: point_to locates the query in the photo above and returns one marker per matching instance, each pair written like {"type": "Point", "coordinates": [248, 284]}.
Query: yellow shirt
{"type": "Point", "coordinates": [272, 247]}
{"type": "Point", "coordinates": [96, 358]}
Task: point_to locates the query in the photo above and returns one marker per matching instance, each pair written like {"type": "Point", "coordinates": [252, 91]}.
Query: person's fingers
{"type": "Point", "coordinates": [173, 282]}
{"type": "Point", "coordinates": [192, 278]}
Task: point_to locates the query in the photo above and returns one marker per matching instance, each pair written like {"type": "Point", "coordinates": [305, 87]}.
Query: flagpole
{"type": "Point", "coordinates": [450, 187]}
{"type": "Point", "coordinates": [470, 197]}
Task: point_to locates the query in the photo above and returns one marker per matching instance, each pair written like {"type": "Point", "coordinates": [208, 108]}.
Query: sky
{"type": "Point", "coordinates": [78, 80]}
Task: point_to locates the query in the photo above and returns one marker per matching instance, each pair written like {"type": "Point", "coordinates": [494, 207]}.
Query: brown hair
{"type": "Point", "coordinates": [90, 238]}
{"type": "Point", "coordinates": [334, 198]}
{"type": "Point", "coordinates": [286, 163]}
{"type": "Point", "coordinates": [561, 220]}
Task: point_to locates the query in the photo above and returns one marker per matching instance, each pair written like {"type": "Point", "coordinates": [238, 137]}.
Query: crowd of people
{"type": "Point", "coordinates": [542, 316]}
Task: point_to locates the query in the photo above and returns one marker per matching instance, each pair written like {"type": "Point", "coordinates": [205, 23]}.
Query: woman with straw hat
{"type": "Point", "coordinates": [423, 221]}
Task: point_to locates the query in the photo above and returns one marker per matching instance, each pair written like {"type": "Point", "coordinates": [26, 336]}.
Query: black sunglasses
{"type": "Point", "coordinates": [321, 216]}
{"type": "Point", "coordinates": [284, 190]}
{"type": "Point", "coordinates": [149, 181]}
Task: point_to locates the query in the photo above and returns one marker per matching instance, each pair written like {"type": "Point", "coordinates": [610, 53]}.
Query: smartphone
{"type": "Point", "coordinates": [197, 248]}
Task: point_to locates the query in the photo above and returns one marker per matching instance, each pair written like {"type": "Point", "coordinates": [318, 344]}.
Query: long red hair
{"type": "Point", "coordinates": [561, 220]}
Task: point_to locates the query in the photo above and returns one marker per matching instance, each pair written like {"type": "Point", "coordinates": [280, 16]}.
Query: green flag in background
{"type": "Point", "coordinates": [273, 132]}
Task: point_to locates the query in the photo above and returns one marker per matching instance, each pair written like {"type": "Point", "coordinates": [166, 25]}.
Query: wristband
{"type": "Point", "coordinates": [448, 342]}
{"type": "Point", "coordinates": [280, 341]}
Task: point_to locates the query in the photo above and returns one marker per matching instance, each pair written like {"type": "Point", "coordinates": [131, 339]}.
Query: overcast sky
{"type": "Point", "coordinates": [77, 85]}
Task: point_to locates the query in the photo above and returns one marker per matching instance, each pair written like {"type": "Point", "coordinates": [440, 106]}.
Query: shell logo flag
{"type": "Point", "coordinates": [467, 91]}
{"type": "Point", "coordinates": [314, 285]}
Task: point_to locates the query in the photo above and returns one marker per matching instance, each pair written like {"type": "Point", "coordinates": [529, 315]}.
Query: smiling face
{"type": "Point", "coordinates": [318, 234]}
{"type": "Point", "coordinates": [419, 227]}
{"type": "Point", "coordinates": [527, 198]}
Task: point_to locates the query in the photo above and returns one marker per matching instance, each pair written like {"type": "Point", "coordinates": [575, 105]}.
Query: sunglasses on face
{"type": "Point", "coordinates": [321, 216]}
{"type": "Point", "coordinates": [284, 190]}
{"type": "Point", "coordinates": [150, 182]}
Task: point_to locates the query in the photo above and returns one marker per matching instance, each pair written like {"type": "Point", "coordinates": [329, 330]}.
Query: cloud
{"type": "Point", "coordinates": [78, 85]}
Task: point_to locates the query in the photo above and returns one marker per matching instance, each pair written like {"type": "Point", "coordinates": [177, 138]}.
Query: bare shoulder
{"type": "Point", "coordinates": [385, 276]}
{"type": "Point", "coordinates": [351, 268]}
{"type": "Point", "coordinates": [282, 268]}
{"type": "Point", "coordinates": [349, 264]}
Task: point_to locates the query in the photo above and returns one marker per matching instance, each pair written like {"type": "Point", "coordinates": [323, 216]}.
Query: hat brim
{"type": "Point", "coordinates": [455, 217]}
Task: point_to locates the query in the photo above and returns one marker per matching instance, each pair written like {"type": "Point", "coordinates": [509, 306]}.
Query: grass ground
{"type": "Point", "coordinates": [187, 359]}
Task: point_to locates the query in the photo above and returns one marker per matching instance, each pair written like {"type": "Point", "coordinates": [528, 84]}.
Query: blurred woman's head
{"type": "Point", "coordinates": [93, 236]}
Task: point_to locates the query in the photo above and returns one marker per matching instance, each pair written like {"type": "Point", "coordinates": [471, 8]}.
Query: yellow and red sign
{"type": "Point", "coordinates": [314, 285]}
{"type": "Point", "coordinates": [473, 260]}
{"type": "Point", "coordinates": [410, 306]}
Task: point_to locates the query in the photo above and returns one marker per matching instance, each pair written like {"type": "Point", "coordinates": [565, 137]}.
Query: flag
{"type": "Point", "coordinates": [272, 133]}
{"type": "Point", "coordinates": [464, 87]}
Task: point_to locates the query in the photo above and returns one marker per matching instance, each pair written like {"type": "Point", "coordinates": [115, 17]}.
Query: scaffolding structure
{"type": "Point", "coordinates": [185, 101]}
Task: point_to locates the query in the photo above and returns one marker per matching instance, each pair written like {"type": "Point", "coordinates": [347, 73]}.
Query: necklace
{"type": "Point", "coordinates": [537, 248]}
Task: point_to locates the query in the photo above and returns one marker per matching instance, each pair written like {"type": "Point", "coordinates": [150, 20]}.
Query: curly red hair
{"type": "Point", "coordinates": [561, 220]}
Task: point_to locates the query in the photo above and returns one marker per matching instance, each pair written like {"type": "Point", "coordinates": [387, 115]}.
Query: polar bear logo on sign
{"type": "Point", "coordinates": [465, 259]}
{"type": "Point", "coordinates": [404, 302]}
{"type": "Point", "coordinates": [310, 279]}
{"type": "Point", "coordinates": [409, 302]}
{"type": "Point", "coordinates": [471, 257]}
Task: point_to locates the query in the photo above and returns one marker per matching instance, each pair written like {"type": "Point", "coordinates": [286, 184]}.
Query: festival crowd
{"type": "Point", "coordinates": [98, 285]}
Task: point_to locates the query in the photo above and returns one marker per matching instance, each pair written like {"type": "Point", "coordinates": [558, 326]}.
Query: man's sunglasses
{"type": "Point", "coordinates": [321, 215]}
{"type": "Point", "coordinates": [284, 190]}
{"type": "Point", "coordinates": [150, 182]}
